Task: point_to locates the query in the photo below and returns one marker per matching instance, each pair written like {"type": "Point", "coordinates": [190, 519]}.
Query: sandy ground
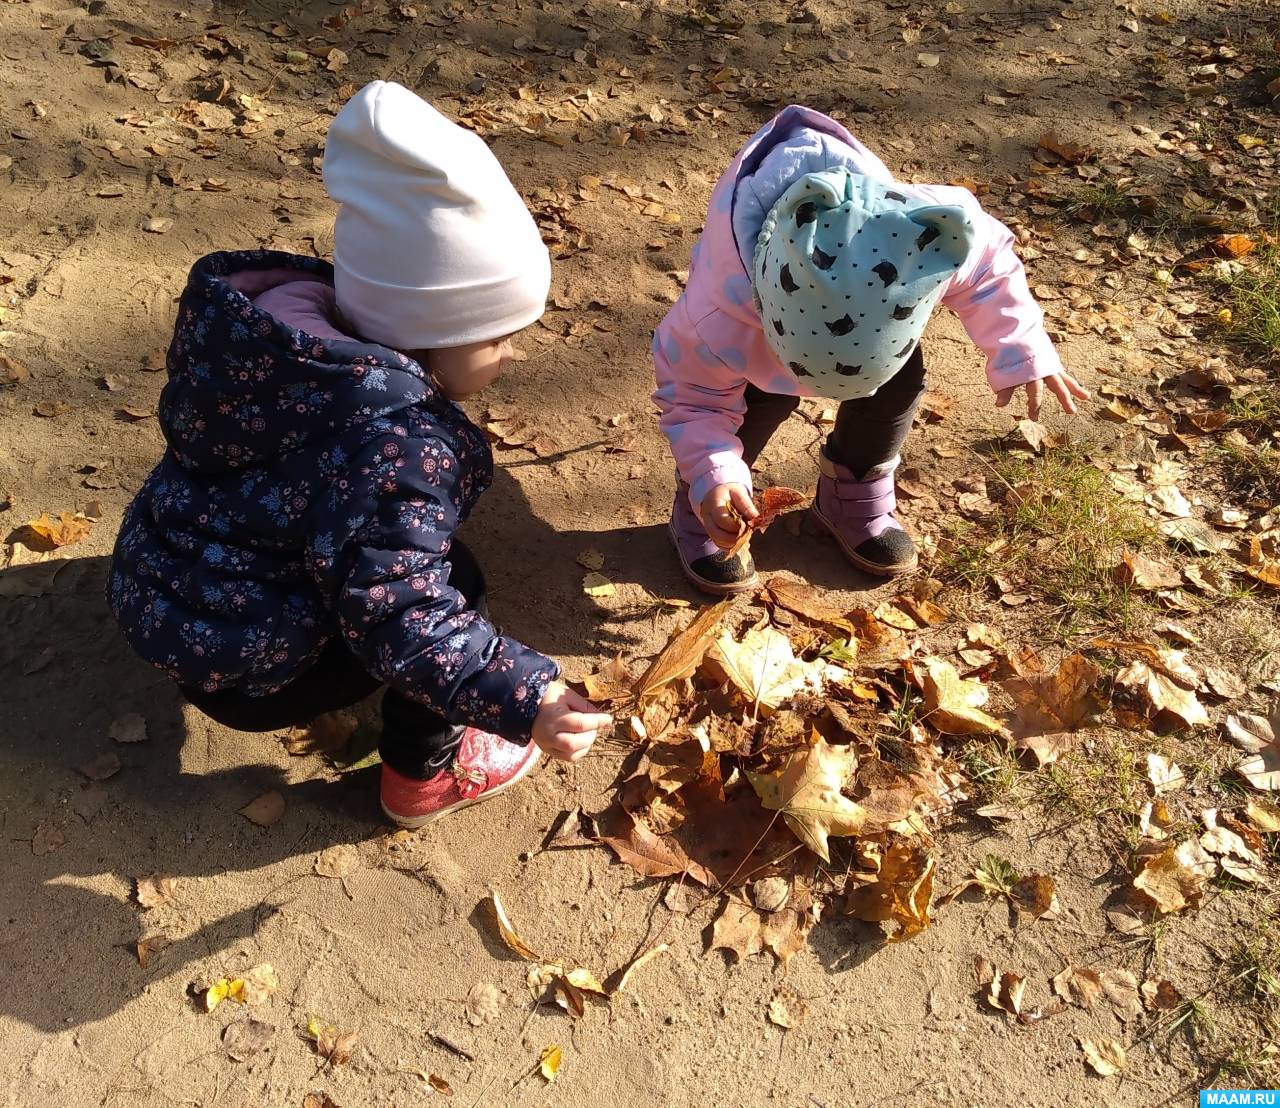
{"type": "Point", "coordinates": [392, 950]}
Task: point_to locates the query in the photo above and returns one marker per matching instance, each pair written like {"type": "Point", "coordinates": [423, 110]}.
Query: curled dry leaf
{"type": "Point", "coordinates": [806, 789]}
{"type": "Point", "coordinates": [1161, 696]}
{"type": "Point", "coordinates": [1264, 816]}
{"type": "Point", "coordinates": [508, 933]}
{"type": "Point", "coordinates": [549, 1063]}
{"type": "Point", "coordinates": [1005, 992]}
{"type": "Point", "coordinates": [259, 984]}
{"type": "Point", "coordinates": [953, 704]}
{"type": "Point", "coordinates": [770, 503]}
{"type": "Point", "coordinates": [1175, 878]}
{"type": "Point", "coordinates": [1137, 571]}
{"type": "Point", "coordinates": [155, 891]}
{"type": "Point", "coordinates": [333, 1045]}
{"type": "Point", "coordinates": [809, 603]}
{"type": "Point", "coordinates": [637, 963]}
{"type": "Point", "coordinates": [1259, 738]}
{"type": "Point", "coordinates": [786, 1008]}
{"type": "Point", "coordinates": [1035, 896]}
{"type": "Point", "coordinates": [1104, 1056]}
{"type": "Point", "coordinates": [898, 894]}
{"type": "Point", "coordinates": [1160, 995]}
{"type": "Point", "coordinates": [145, 947]}
{"type": "Point", "coordinates": [682, 656]}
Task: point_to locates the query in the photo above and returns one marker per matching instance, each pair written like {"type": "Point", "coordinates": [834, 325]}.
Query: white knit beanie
{"type": "Point", "coordinates": [433, 246]}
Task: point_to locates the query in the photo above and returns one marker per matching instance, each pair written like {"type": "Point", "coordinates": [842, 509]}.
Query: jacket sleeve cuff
{"type": "Point", "coordinates": [505, 697]}
{"type": "Point", "coordinates": [1031, 360]}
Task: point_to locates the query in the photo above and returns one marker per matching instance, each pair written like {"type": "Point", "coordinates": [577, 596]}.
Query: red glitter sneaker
{"type": "Point", "coordinates": [484, 766]}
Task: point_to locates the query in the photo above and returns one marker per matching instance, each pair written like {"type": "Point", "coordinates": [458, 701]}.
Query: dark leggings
{"type": "Point", "coordinates": [416, 740]}
{"type": "Point", "coordinates": [868, 432]}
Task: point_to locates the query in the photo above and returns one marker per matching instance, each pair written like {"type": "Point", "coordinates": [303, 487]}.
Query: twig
{"type": "Point", "coordinates": [451, 1047]}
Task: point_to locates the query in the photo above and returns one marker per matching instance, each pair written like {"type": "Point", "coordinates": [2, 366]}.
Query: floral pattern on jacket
{"type": "Point", "coordinates": [311, 488]}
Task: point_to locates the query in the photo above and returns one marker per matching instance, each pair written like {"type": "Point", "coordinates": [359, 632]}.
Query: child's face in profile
{"type": "Point", "coordinates": [462, 371]}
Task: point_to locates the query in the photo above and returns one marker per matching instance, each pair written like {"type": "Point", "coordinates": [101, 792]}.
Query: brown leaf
{"type": "Point", "coordinates": [770, 503]}
{"type": "Point", "coordinates": [1162, 696]}
{"type": "Point", "coordinates": [1233, 246]}
{"type": "Point", "coordinates": [1175, 878]}
{"type": "Point", "coordinates": [47, 838]}
{"type": "Point", "coordinates": [508, 933]}
{"type": "Point", "coordinates": [1160, 995]}
{"type": "Point", "coordinates": [1051, 706]}
{"type": "Point", "coordinates": [786, 1008]}
{"type": "Point", "coordinates": [439, 1084]}
{"type": "Point", "coordinates": [649, 854]}
{"type": "Point", "coordinates": [244, 1038]}
{"type": "Point", "coordinates": [635, 964]}
{"type": "Point", "coordinates": [1264, 815]}
{"type": "Point", "coordinates": [1006, 992]}
{"type": "Point", "coordinates": [1252, 733]}
{"type": "Point", "coordinates": [264, 810]}
{"type": "Point", "coordinates": [155, 890]}
{"type": "Point", "coordinates": [1146, 574]}
{"type": "Point", "coordinates": [45, 534]}
{"type": "Point", "coordinates": [684, 653]}
{"type": "Point", "coordinates": [1079, 986]}
{"type": "Point", "coordinates": [612, 681]}
{"type": "Point", "coordinates": [335, 1046]}
{"type": "Point", "coordinates": [1069, 152]}
{"type": "Point", "coordinates": [484, 1003]}
{"type": "Point", "coordinates": [1035, 896]}
{"type": "Point", "coordinates": [809, 602]}
{"type": "Point", "coordinates": [144, 948]}
{"type": "Point", "coordinates": [1121, 988]}
{"type": "Point", "coordinates": [738, 929]}
{"type": "Point", "coordinates": [899, 894]}
{"type": "Point", "coordinates": [12, 372]}
{"type": "Point", "coordinates": [1104, 1056]}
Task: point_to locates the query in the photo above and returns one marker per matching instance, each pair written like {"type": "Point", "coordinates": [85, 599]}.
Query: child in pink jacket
{"type": "Point", "coordinates": [815, 275]}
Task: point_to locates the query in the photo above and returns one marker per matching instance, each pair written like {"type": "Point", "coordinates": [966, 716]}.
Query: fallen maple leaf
{"type": "Point", "coordinates": [1078, 986]}
{"type": "Point", "coordinates": [739, 929]}
{"type": "Point", "coordinates": [1051, 706]}
{"type": "Point", "coordinates": [809, 602]}
{"type": "Point", "coordinates": [1069, 152]}
{"type": "Point", "coordinates": [806, 789]}
{"type": "Point", "coordinates": [147, 946]}
{"type": "Point", "coordinates": [763, 668]}
{"type": "Point", "coordinates": [612, 681]}
{"type": "Point", "coordinates": [1161, 695]}
{"type": "Point", "coordinates": [953, 705]}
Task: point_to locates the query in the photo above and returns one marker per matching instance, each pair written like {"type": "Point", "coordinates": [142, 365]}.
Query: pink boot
{"type": "Point", "coordinates": [859, 515]}
{"type": "Point", "coordinates": [484, 766]}
{"type": "Point", "coordinates": [709, 568]}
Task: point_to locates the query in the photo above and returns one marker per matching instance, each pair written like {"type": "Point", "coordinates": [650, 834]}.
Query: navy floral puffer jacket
{"type": "Point", "coordinates": [311, 488]}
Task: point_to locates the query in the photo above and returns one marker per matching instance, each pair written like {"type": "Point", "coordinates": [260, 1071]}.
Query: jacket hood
{"type": "Point", "coordinates": [244, 387]}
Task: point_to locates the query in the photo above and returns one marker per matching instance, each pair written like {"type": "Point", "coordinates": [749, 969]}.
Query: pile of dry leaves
{"type": "Point", "coordinates": [794, 757]}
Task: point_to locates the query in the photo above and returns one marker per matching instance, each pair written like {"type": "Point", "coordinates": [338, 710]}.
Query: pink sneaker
{"type": "Point", "coordinates": [485, 765]}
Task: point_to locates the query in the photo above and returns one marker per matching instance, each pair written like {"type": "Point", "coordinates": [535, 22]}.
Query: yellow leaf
{"type": "Point", "coordinates": [899, 893]}
{"type": "Point", "coordinates": [684, 653]}
{"type": "Point", "coordinates": [226, 988]}
{"type": "Point", "coordinates": [46, 534]}
{"type": "Point", "coordinates": [763, 667]}
{"type": "Point", "coordinates": [647, 956]}
{"type": "Point", "coordinates": [549, 1062]}
{"type": "Point", "coordinates": [597, 585]}
{"type": "Point", "coordinates": [954, 704]}
{"type": "Point", "coordinates": [1250, 142]}
{"type": "Point", "coordinates": [806, 790]}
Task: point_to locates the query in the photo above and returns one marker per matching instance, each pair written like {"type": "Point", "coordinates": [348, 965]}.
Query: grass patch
{"type": "Point", "coordinates": [1059, 535]}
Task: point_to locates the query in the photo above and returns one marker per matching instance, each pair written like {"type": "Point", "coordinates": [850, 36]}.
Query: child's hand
{"type": "Point", "coordinates": [724, 509]}
{"type": "Point", "coordinates": [566, 724]}
{"type": "Point", "coordinates": [1065, 387]}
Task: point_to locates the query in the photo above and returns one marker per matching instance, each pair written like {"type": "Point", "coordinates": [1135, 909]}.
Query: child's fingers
{"type": "Point", "coordinates": [1062, 391]}
{"type": "Point", "coordinates": [581, 723]}
{"type": "Point", "coordinates": [1004, 396]}
{"type": "Point", "coordinates": [741, 499]}
{"type": "Point", "coordinates": [1034, 389]}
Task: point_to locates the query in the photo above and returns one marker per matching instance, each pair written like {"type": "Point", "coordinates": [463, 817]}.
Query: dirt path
{"type": "Point", "coordinates": [135, 138]}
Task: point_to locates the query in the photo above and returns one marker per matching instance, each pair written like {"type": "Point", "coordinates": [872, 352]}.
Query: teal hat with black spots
{"type": "Point", "coordinates": [846, 274]}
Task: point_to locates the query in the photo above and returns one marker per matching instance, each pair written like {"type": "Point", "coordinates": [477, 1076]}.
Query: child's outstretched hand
{"type": "Point", "coordinates": [724, 509]}
{"type": "Point", "coordinates": [1065, 387]}
{"type": "Point", "coordinates": [566, 724]}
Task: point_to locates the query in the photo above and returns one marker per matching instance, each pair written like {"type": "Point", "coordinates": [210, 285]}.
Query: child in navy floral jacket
{"type": "Point", "coordinates": [293, 551]}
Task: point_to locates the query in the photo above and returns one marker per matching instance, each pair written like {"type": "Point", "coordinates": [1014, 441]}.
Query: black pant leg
{"type": "Point", "coordinates": [766, 412]}
{"type": "Point", "coordinates": [871, 431]}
